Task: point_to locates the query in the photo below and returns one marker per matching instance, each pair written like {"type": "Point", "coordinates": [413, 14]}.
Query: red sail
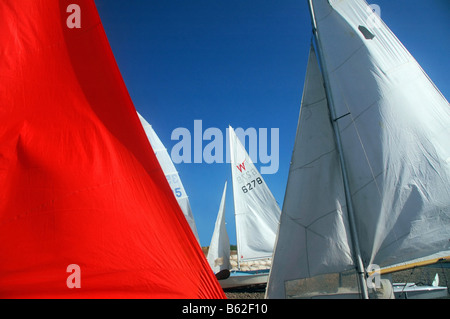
{"type": "Point", "coordinates": [85, 210]}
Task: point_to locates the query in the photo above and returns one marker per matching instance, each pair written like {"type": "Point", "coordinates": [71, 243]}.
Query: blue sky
{"type": "Point", "coordinates": [240, 63]}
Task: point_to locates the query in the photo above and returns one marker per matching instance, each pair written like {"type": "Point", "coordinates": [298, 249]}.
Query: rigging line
{"type": "Point", "coordinates": [373, 175]}
{"type": "Point", "coordinates": [374, 179]}
{"type": "Point", "coordinates": [383, 204]}
{"type": "Point", "coordinates": [353, 121]}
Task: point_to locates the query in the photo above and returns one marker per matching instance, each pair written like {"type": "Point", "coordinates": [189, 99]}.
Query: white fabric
{"type": "Point", "coordinates": [171, 174]}
{"type": "Point", "coordinates": [314, 212]}
{"type": "Point", "coordinates": [395, 131]}
{"type": "Point", "coordinates": [256, 211]}
{"type": "Point", "coordinates": [219, 249]}
{"type": "Point", "coordinates": [396, 138]}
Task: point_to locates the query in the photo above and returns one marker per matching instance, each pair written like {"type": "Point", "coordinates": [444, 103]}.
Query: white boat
{"type": "Point", "coordinates": [420, 290]}
{"type": "Point", "coordinates": [171, 173]}
{"type": "Point", "coordinates": [257, 219]}
{"type": "Point", "coordinates": [245, 278]}
{"type": "Point", "coordinates": [414, 291]}
{"type": "Point", "coordinates": [369, 181]}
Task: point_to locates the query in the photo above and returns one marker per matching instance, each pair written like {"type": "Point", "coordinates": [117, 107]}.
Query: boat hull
{"type": "Point", "coordinates": [412, 291]}
{"type": "Point", "coordinates": [245, 278]}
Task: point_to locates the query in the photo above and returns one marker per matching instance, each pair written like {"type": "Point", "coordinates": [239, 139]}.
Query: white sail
{"type": "Point", "coordinates": [171, 174]}
{"type": "Point", "coordinates": [394, 126]}
{"type": "Point", "coordinates": [314, 210]}
{"type": "Point", "coordinates": [219, 249]}
{"type": "Point", "coordinates": [256, 211]}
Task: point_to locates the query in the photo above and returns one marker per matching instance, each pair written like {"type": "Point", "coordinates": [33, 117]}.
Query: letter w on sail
{"type": "Point", "coordinates": [241, 166]}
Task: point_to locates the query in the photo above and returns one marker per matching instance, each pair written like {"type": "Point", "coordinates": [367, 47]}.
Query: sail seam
{"type": "Point", "coordinates": [366, 184]}
{"type": "Point", "coordinates": [307, 227]}
{"type": "Point", "coordinates": [367, 158]}
{"type": "Point", "coordinates": [346, 60]}
{"type": "Point", "coordinates": [314, 160]}
{"type": "Point", "coordinates": [314, 104]}
{"type": "Point", "coordinates": [353, 123]}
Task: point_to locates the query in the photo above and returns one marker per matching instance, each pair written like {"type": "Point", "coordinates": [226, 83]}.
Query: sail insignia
{"type": "Point", "coordinates": [366, 33]}
{"type": "Point", "coordinates": [256, 211]}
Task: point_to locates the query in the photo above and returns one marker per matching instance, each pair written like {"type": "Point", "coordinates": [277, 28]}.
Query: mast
{"type": "Point", "coordinates": [234, 200]}
{"type": "Point", "coordinates": [350, 211]}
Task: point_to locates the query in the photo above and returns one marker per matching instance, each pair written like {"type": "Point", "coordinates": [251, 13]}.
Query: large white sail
{"type": "Point", "coordinates": [394, 126]}
{"type": "Point", "coordinates": [219, 249]}
{"type": "Point", "coordinates": [256, 210]}
{"type": "Point", "coordinates": [171, 174]}
{"type": "Point", "coordinates": [314, 209]}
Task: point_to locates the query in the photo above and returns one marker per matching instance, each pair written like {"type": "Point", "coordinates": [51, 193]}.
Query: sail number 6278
{"type": "Point", "coordinates": [251, 185]}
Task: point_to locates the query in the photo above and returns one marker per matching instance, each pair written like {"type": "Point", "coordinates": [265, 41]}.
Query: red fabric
{"type": "Point", "coordinates": [79, 182]}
